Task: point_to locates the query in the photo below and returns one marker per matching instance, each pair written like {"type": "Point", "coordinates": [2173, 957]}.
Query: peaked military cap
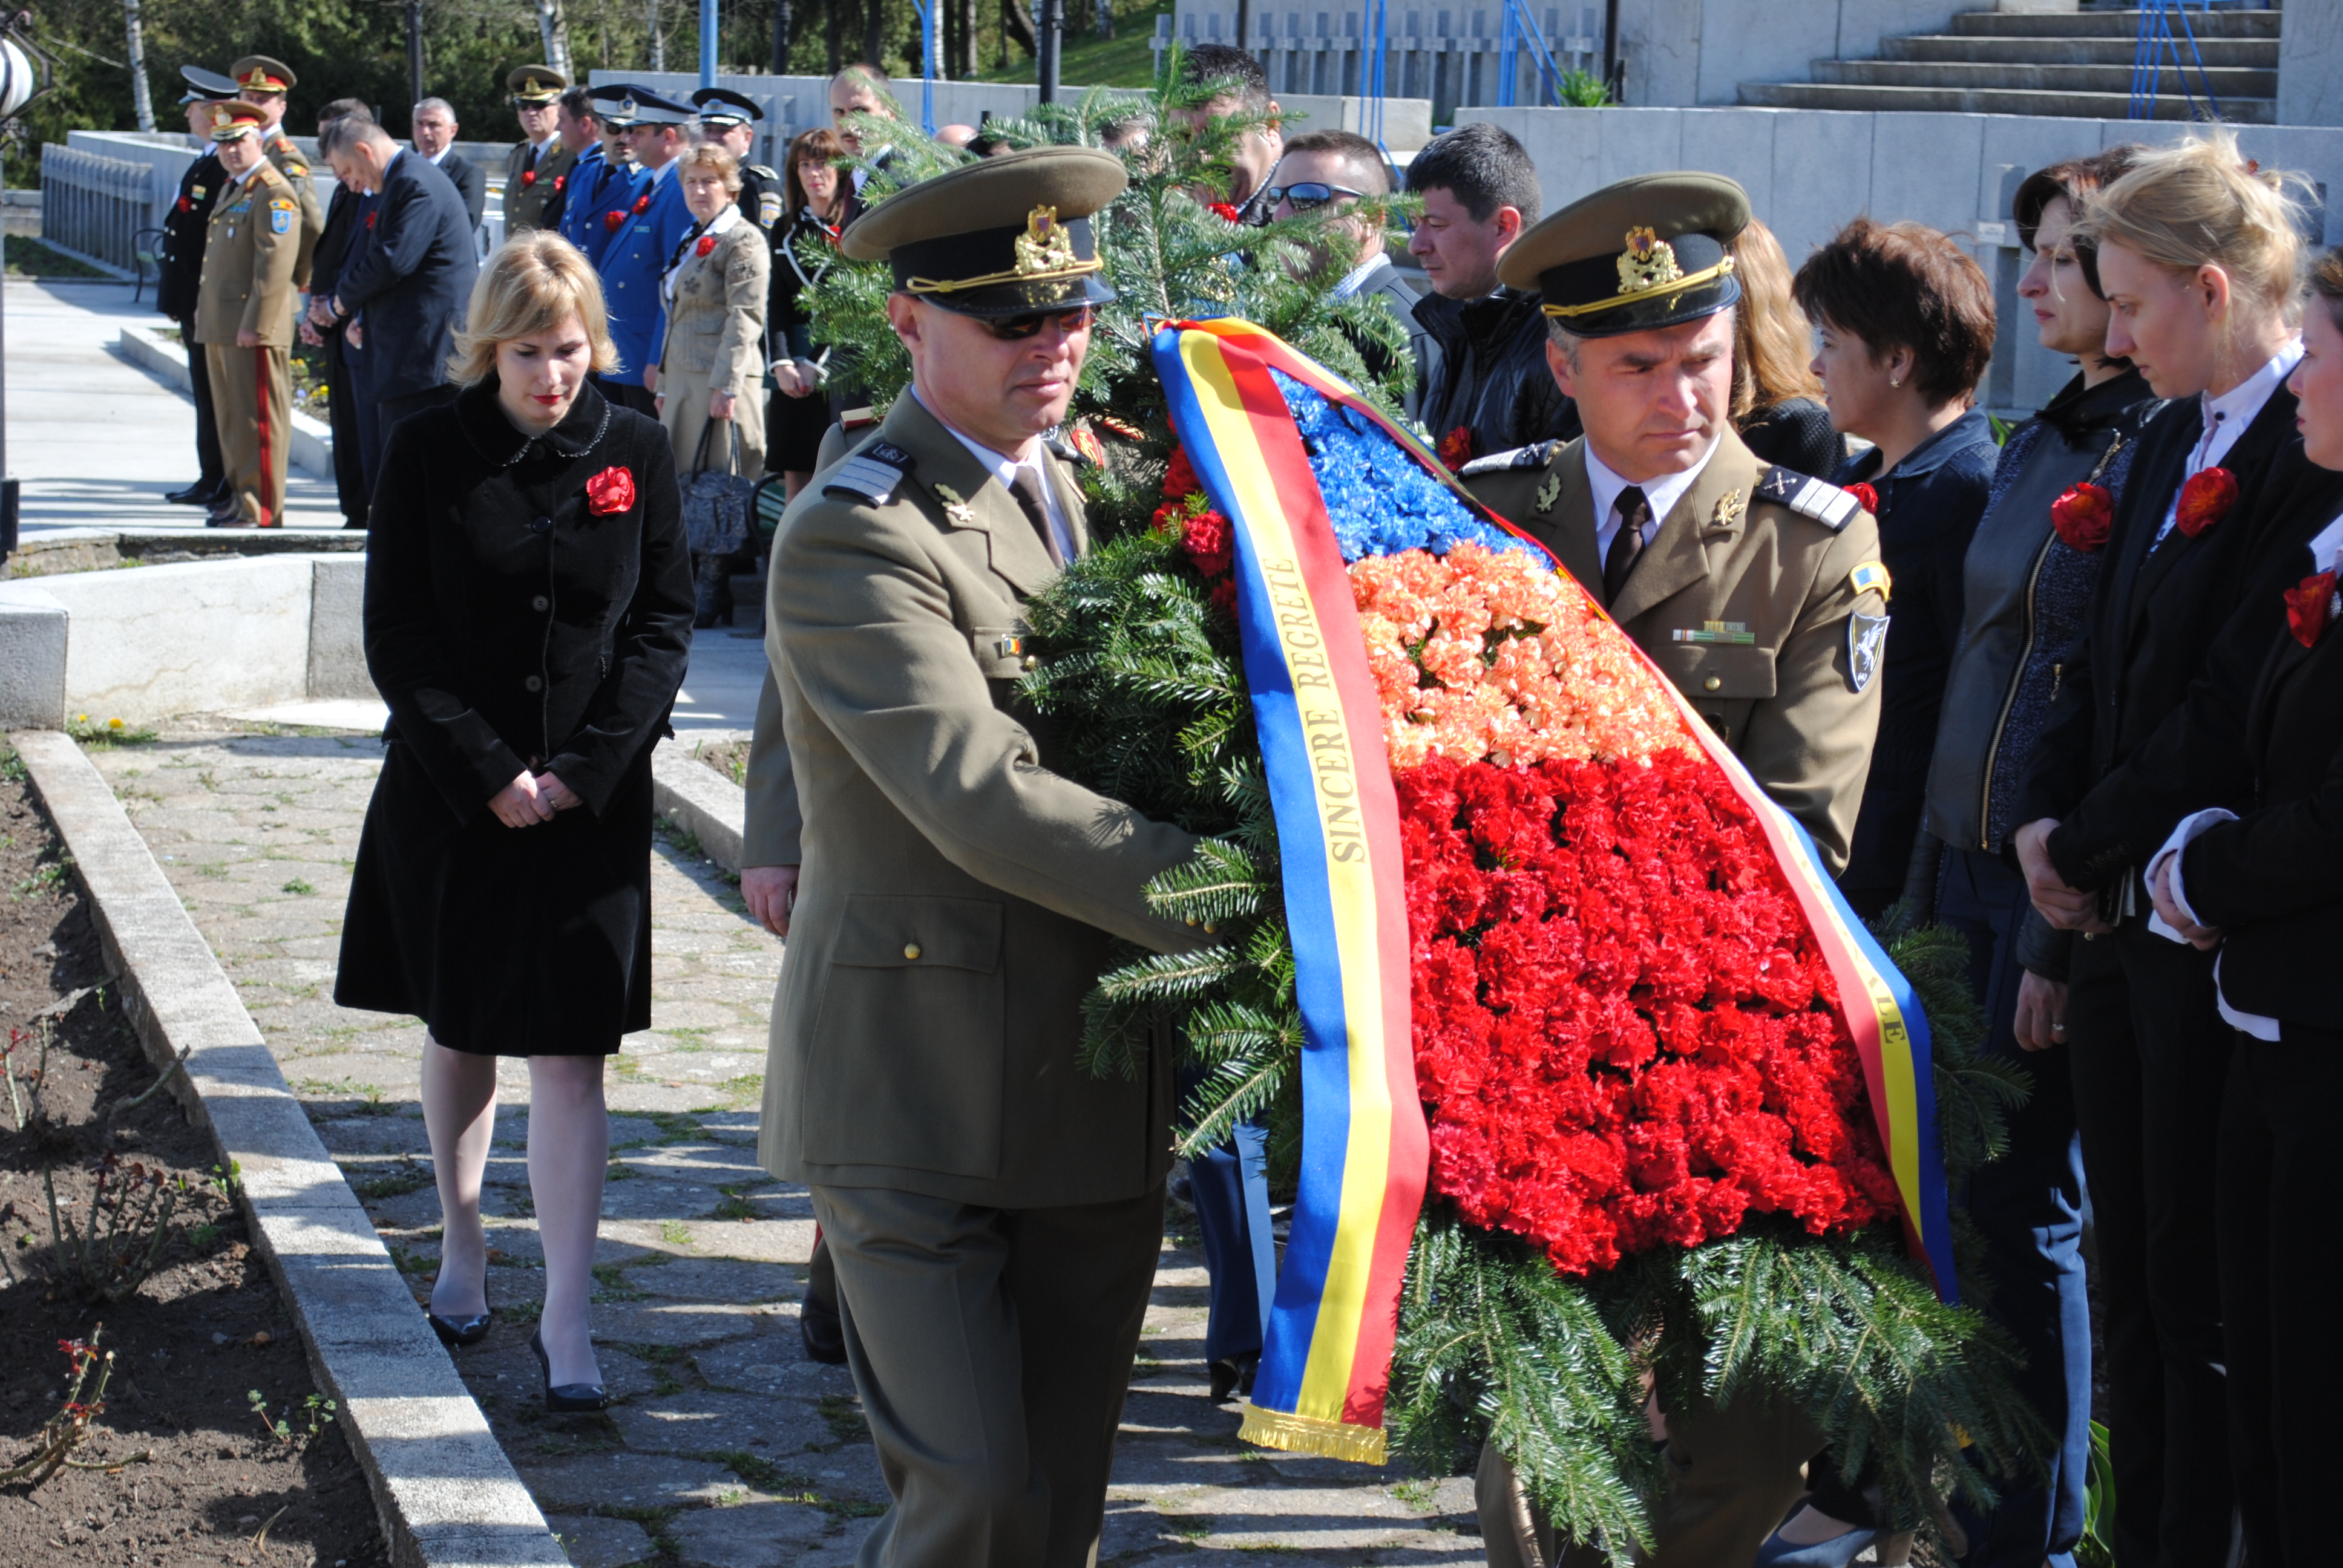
{"type": "Point", "coordinates": [1002, 236]}
{"type": "Point", "coordinates": [259, 74]}
{"type": "Point", "coordinates": [722, 106]}
{"type": "Point", "coordinates": [1645, 253]}
{"type": "Point", "coordinates": [642, 107]}
{"type": "Point", "coordinates": [616, 103]}
{"type": "Point", "coordinates": [210, 83]}
{"type": "Point", "coordinates": [233, 122]}
{"type": "Point", "coordinates": [535, 84]}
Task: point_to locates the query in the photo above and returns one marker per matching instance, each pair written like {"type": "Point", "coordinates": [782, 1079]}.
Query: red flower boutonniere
{"type": "Point", "coordinates": [1864, 497]}
{"type": "Point", "coordinates": [2206, 499]}
{"type": "Point", "coordinates": [1456, 447]}
{"type": "Point", "coordinates": [643, 203]}
{"type": "Point", "coordinates": [1228, 210]}
{"type": "Point", "coordinates": [558, 181]}
{"type": "Point", "coordinates": [611, 220]}
{"type": "Point", "coordinates": [707, 244]}
{"type": "Point", "coordinates": [611, 490]}
{"type": "Point", "coordinates": [2310, 606]}
{"type": "Point", "coordinates": [528, 178]}
{"type": "Point", "coordinates": [2083, 516]}
{"type": "Point", "coordinates": [185, 205]}
{"type": "Point", "coordinates": [370, 220]}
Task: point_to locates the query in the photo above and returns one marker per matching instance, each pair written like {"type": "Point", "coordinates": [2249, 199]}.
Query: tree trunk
{"type": "Point", "coordinates": [139, 99]}
{"type": "Point", "coordinates": [967, 63]}
{"type": "Point", "coordinates": [837, 40]}
{"type": "Point", "coordinates": [874, 27]}
{"type": "Point", "coordinates": [1017, 23]}
{"type": "Point", "coordinates": [553, 32]}
{"type": "Point", "coordinates": [659, 38]}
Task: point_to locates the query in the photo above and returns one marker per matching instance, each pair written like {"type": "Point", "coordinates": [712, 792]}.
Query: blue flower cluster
{"type": "Point", "coordinates": [1379, 498]}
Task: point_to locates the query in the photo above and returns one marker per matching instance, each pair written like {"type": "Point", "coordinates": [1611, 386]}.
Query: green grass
{"type": "Point", "coordinates": [28, 257]}
{"type": "Point", "coordinates": [298, 887]}
{"type": "Point", "coordinates": [1087, 60]}
{"type": "Point", "coordinates": [394, 1185]}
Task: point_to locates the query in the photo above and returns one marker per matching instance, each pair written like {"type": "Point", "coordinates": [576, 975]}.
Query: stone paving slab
{"type": "Point", "coordinates": [728, 1449]}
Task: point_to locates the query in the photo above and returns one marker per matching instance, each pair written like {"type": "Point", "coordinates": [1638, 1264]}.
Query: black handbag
{"type": "Point", "coordinates": [715, 502]}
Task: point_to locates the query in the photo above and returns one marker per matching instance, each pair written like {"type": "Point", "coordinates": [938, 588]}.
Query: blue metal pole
{"type": "Point", "coordinates": [710, 28]}
{"type": "Point", "coordinates": [927, 63]}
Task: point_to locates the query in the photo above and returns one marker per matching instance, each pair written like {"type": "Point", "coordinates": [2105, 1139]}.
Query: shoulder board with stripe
{"type": "Point", "coordinates": [1532, 457]}
{"type": "Point", "coordinates": [1809, 496]}
{"type": "Point", "coordinates": [762, 172]}
{"type": "Point", "coordinates": [871, 473]}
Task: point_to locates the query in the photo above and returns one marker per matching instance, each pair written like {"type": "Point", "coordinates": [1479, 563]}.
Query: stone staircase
{"type": "Point", "coordinates": [2076, 65]}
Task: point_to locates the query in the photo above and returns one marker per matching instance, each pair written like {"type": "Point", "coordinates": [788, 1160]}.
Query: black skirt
{"type": "Point", "coordinates": [793, 431]}
{"type": "Point", "coordinates": [507, 942]}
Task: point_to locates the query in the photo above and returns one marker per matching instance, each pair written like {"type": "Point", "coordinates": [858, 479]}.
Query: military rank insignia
{"type": "Point", "coordinates": [1866, 641]}
{"type": "Point", "coordinates": [957, 509]}
{"type": "Point", "coordinates": [1549, 493]}
{"type": "Point", "coordinates": [1730, 508]}
{"type": "Point", "coordinates": [1828, 505]}
{"type": "Point", "coordinates": [871, 473]}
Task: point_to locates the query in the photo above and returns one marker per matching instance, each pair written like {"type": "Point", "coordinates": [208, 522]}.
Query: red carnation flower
{"type": "Point", "coordinates": [1209, 542]}
{"type": "Point", "coordinates": [2310, 607]}
{"type": "Point", "coordinates": [611, 490]}
{"type": "Point", "coordinates": [707, 244]}
{"type": "Point", "coordinates": [528, 176]}
{"type": "Point", "coordinates": [1228, 210]}
{"type": "Point", "coordinates": [643, 202]}
{"type": "Point", "coordinates": [2083, 516]}
{"type": "Point", "coordinates": [1223, 595]}
{"type": "Point", "coordinates": [558, 181]}
{"type": "Point", "coordinates": [2206, 499]}
{"type": "Point", "coordinates": [1180, 480]}
{"type": "Point", "coordinates": [185, 205]}
{"type": "Point", "coordinates": [1456, 447]}
{"type": "Point", "coordinates": [611, 220]}
{"type": "Point", "coordinates": [1864, 497]}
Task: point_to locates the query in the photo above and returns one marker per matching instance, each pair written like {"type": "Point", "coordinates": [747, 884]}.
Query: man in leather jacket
{"type": "Point", "coordinates": [1490, 381]}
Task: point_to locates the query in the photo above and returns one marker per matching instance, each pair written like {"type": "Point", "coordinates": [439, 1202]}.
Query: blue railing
{"type": "Point", "coordinates": [2156, 40]}
{"type": "Point", "coordinates": [1519, 30]}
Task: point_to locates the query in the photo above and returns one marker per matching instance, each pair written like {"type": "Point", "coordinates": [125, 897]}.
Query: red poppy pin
{"type": "Point", "coordinates": [643, 203]}
{"type": "Point", "coordinates": [2206, 499]}
{"type": "Point", "coordinates": [528, 178]}
{"type": "Point", "coordinates": [2083, 517]}
{"type": "Point", "coordinates": [707, 244]}
{"type": "Point", "coordinates": [611, 490]}
{"type": "Point", "coordinates": [2310, 606]}
{"type": "Point", "coordinates": [611, 220]}
{"type": "Point", "coordinates": [558, 181]}
{"type": "Point", "coordinates": [1864, 497]}
{"type": "Point", "coordinates": [1456, 447]}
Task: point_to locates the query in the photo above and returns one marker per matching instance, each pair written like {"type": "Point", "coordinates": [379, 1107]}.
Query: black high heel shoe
{"type": "Point", "coordinates": [454, 1332]}
{"type": "Point", "coordinates": [569, 1398]}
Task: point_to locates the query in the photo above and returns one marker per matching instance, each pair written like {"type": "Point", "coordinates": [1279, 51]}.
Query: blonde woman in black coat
{"type": "Point", "coordinates": [527, 619]}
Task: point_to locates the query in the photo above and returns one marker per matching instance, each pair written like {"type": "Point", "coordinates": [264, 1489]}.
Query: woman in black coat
{"type": "Point", "coordinates": [527, 619]}
{"type": "Point", "coordinates": [799, 410]}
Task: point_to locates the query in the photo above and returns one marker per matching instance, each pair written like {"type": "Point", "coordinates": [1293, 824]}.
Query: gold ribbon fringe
{"type": "Point", "coordinates": [1663, 291]}
{"type": "Point", "coordinates": [1313, 1434]}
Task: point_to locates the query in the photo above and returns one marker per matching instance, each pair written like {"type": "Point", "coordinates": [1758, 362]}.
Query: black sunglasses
{"type": "Point", "coordinates": [1011, 328]}
{"type": "Point", "coordinates": [1309, 195]}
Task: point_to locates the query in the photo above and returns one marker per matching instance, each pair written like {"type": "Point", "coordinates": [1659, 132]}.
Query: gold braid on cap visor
{"type": "Point", "coordinates": [954, 285]}
{"type": "Point", "coordinates": [1667, 290]}
{"type": "Point", "coordinates": [1045, 252]}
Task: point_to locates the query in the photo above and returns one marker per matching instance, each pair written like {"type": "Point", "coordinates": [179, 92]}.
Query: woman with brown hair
{"type": "Point", "coordinates": [2197, 253]}
{"type": "Point", "coordinates": [802, 255]}
{"type": "Point", "coordinates": [1777, 399]}
{"type": "Point", "coordinates": [527, 619]}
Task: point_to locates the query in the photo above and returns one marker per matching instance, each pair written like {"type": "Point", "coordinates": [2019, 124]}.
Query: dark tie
{"type": "Point", "coordinates": [1027, 489]}
{"type": "Point", "coordinates": [1634, 511]}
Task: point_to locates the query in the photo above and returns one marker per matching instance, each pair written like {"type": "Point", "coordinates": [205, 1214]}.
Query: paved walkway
{"type": "Point", "coordinates": [728, 1449]}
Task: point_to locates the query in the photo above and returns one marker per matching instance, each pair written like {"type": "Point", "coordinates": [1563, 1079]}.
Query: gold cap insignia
{"type": "Point", "coordinates": [1648, 262]}
{"type": "Point", "coordinates": [1045, 246]}
{"type": "Point", "coordinates": [532, 86]}
{"type": "Point", "coordinates": [221, 117]}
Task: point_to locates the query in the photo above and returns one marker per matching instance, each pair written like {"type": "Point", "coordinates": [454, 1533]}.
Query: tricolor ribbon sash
{"type": "Point", "coordinates": [1325, 1363]}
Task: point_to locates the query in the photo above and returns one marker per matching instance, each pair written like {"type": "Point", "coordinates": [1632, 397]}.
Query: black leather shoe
{"type": "Point", "coordinates": [201, 493]}
{"type": "Point", "coordinates": [233, 518]}
{"type": "Point", "coordinates": [569, 1398]}
{"type": "Point", "coordinates": [1233, 1376]}
{"type": "Point", "coordinates": [469, 1330]}
{"type": "Point", "coordinates": [823, 1337]}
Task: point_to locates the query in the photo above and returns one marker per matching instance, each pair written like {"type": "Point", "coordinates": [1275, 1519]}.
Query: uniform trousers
{"type": "Point", "coordinates": [1732, 1472]}
{"type": "Point", "coordinates": [252, 394]}
{"type": "Point", "coordinates": [992, 1349]}
{"type": "Point", "coordinates": [211, 470]}
{"type": "Point", "coordinates": [2149, 1056]}
{"type": "Point", "coordinates": [2280, 1279]}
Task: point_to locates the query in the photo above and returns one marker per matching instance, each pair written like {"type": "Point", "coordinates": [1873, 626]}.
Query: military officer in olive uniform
{"type": "Point", "coordinates": [1759, 593]}
{"type": "Point", "coordinates": [994, 1212]}
{"type": "Point", "coordinates": [182, 274]}
{"type": "Point", "coordinates": [264, 82]}
{"type": "Point", "coordinates": [537, 170]}
{"type": "Point", "coordinates": [1757, 590]}
{"type": "Point", "coordinates": [729, 120]}
{"type": "Point", "coordinates": [244, 318]}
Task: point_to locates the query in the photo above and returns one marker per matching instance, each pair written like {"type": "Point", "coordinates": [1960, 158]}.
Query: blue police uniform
{"type": "Point", "coordinates": [597, 188]}
{"type": "Point", "coordinates": [630, 267]}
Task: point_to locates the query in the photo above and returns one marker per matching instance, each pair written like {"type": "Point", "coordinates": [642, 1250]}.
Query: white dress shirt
{"type": "Point", "coordinates": [1005, 470]}
{"type": "Point", "coordinates": [1663, 493]}
{"type": "Point", "coordinates": [2326, 556]}
{"type": "Point", "coordinates": [2225, 419]}
{"type": "Point", "coordinates": [1356, 278]}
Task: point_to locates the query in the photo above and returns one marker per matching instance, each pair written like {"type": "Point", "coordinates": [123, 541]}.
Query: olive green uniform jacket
{"type": "Point", "coordinates": [294, 165]}
{"type": "Point", "coordinates": [956, 896]}
{"type": "Point", "coordinates": [249, 261]}
{"type": "Point", "coordinates": [1748, 604]}
{"type": "Point", "coordinates": [537, 203]}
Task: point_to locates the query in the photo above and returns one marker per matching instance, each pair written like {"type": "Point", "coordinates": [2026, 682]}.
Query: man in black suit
{"type": "Point", "coordinates": [185, 228]}
{"type": "Point", "coordinates": [403, 292]}
{"type": "Point", "coordinates": [345, 216]}
{"type": "Point", "coordinates": [434, 130]}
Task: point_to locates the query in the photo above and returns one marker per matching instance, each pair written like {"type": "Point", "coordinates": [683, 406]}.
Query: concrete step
{"type": "Point", "coordinates": [1994, 101]}
{"type": "Point", "coordinates": [2111, 24]}
{"type": "Point", "coordinates": [2261, 53]}
{"type": "Point", "coordinates": [2224, 82]}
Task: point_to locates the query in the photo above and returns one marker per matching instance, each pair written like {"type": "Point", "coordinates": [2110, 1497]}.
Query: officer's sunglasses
{"type": "Point", "coordinates": [1013, 328]}
{"type": "Point", "coordinates": [1309, 195]}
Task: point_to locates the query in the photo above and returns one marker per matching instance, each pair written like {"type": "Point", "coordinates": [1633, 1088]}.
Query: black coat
{"type": "Point", "coordinates": [1491, 375]}
{"type": "Point", "coordinates": [1795, 434]}
{"type": "Point", "coordinates": [185, 228]}
{"type": "Point", "coordinates": [508, 625]}
{"type": "Point", "coordinates": [411, 278]}
{"type": "Point", "coordinates": [469, 183]}
{"type": "Point", "coordinates": [2156, 616]}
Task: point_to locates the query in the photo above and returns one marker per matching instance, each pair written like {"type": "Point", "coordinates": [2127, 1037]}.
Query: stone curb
{"type": "Point", "coordinates": [447, 1496]}
{"type": "Point", "coordinates": [312, 450]}
{"type": "Point", "coordinates": [701, 801]}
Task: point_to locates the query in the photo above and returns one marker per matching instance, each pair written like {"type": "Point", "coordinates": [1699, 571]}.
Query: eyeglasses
{"type": "Point", "coordinates": [1013, 328]}
{"type": "Point", "coordinates": [1309, 195]}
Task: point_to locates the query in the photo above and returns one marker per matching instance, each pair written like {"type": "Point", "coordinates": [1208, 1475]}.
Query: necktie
{"type": "Point", "coordinates": [1634, 511]}
{"type": "Point", "coordinates": [1027, 489]}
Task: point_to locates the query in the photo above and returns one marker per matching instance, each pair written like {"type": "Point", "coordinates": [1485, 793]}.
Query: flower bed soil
{"type": "Point", "coordinates": [203, 1332]}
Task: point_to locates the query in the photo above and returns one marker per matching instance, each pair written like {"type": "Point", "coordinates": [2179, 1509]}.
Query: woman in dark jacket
{"type": "Point", "coordinates": [800, 412]}
{"type": "Point", "coordinates": [527, 619]}
{"type": "Point", "coordinates": [1905, 323]}
{"type": "Point", "coordinates": [1777, 399]}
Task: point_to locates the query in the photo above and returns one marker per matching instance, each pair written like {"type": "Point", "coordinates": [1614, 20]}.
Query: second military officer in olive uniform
{"type": "Point", "coordinates": [994, 1212]}
{"type": "Point", "coordinates": [264, 82]}
{"type": "Point", "coordinates": [244, 318]}
{"type": "Point", "coordinates": [537, 170]}
{"type": "Point", "coordinates": [1758, 592]}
